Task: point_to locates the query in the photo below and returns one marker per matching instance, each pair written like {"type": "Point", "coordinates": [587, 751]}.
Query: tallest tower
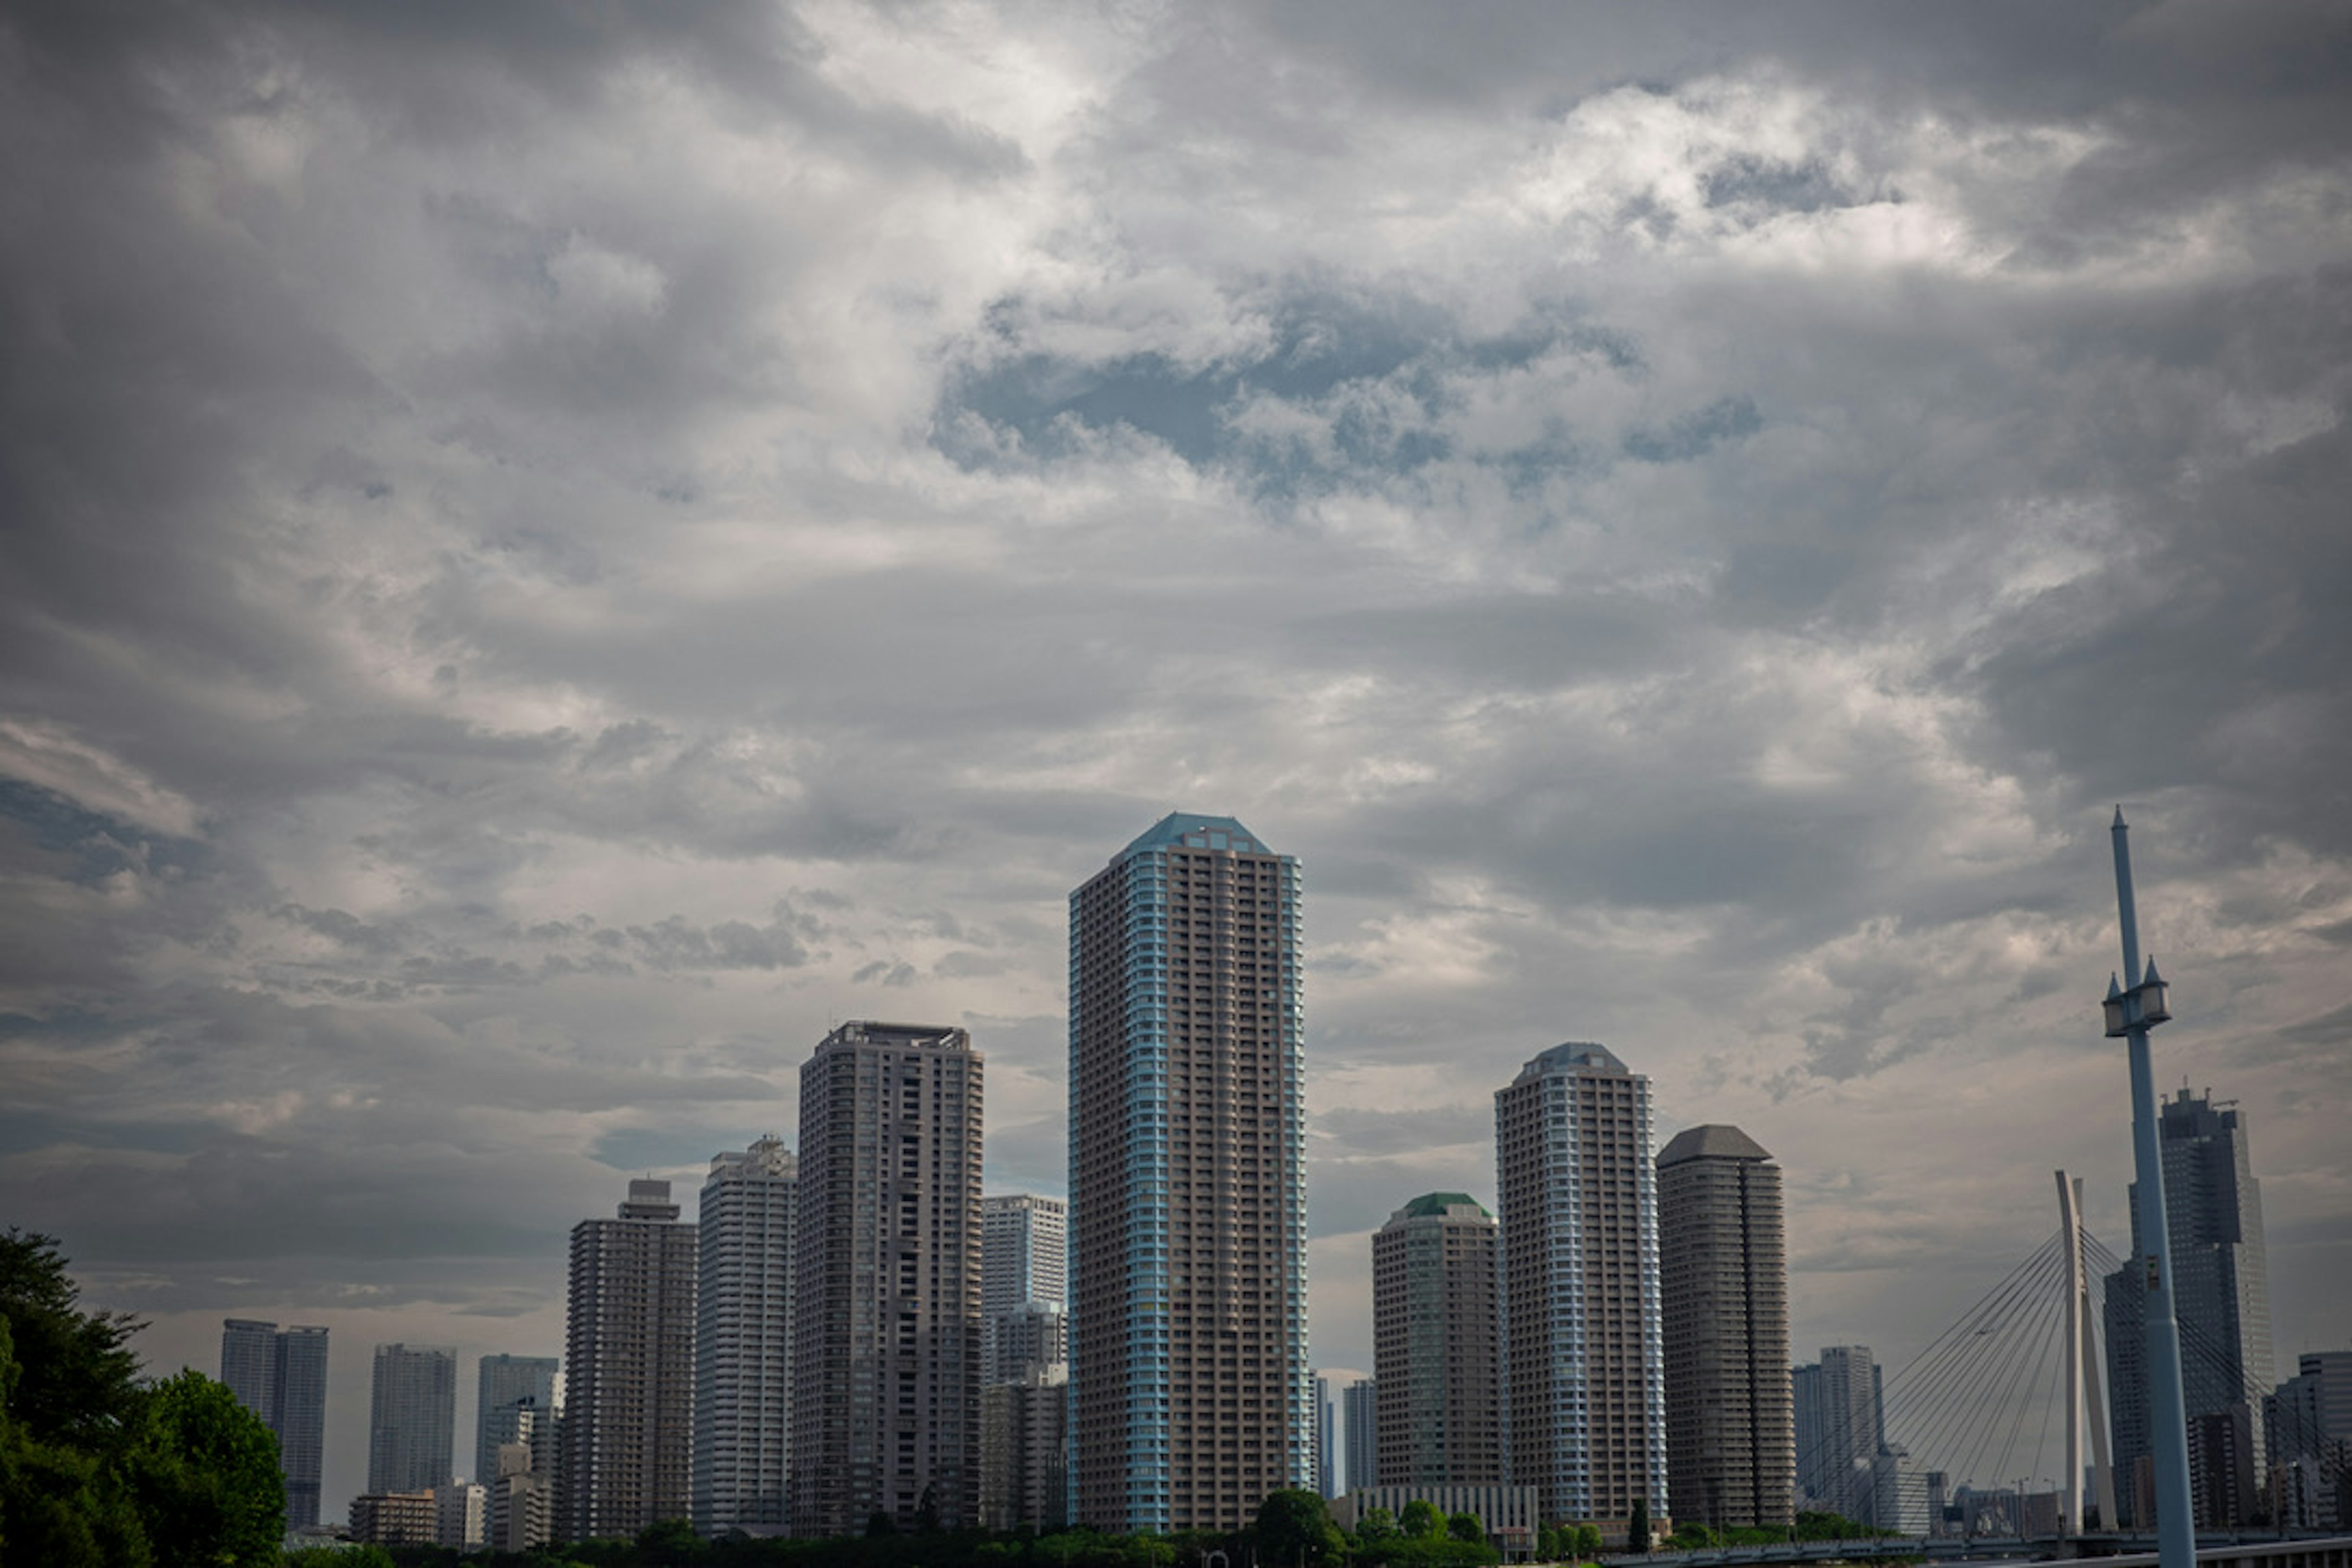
{"type": "Point", "coordinates": [1188, 1188]}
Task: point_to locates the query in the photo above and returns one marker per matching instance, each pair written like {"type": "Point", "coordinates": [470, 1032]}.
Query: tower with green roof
{"type": "Point", "coordinates": [1434, 1353]}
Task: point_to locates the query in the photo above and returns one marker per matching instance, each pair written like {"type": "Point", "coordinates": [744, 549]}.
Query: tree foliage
{"type": "Point", "coordinates": [1465, 1527]}
{"type": "Point", "coordinates": [100, 1470]}
{"type": "Point", "coordinates": [1293, 1527]}
{"type": "Point", "coordinates": [1420, 1520]}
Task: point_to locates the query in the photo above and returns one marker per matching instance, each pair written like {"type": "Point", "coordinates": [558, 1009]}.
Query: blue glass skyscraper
{"type": "Point", "coordinates": [1191, 1393]}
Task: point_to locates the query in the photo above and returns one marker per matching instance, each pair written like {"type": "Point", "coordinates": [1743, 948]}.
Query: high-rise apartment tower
{"type": "Point", "coordinates": [1840, 1410]}
{"type": "Point", "coordinates": [281, 1376]}
{"type": "Point", "coordinates": [627, 1439]}
{"type": "Point", "coordinates": [502, 1383]}
{"type": "Point", "coordinates": [1434, 1354]}
{"type": "Point", "coordinates": [1188, 1188]}
{"type": "Point", "coordinates": [742, 1337]}
{"type": "Point", "coordinates": [2221, 1299]}
{"type": "Point", "coordinates": [1583, 1379]}
{"type": "Point", "coordinates": [1723, 1286]}
{"type": "Point", "coordinates": [412, 1417]}
{"type": "Point", "coordinates": [885, 1343]}
{"type": "Point", "coordinates": [1359, 1435]}
{"type": "Point", "coordinates": [1024, 1247]}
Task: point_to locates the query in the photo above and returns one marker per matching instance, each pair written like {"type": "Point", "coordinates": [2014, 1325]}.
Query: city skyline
{"type": "Point", "coordinates": [551, 561]}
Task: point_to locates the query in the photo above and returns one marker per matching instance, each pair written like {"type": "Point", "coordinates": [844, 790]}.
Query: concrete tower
{"type": "Point", "coordinates": [1188, 1256]}
{"type": "Point", "coordinates": [1840, 1427]}
{"type": "Point", "coordinates": [502, 1383]}
{"type": "Point", "coordinates": [1023, 1249]}
{"type": "Point", "coordinates": [627, 1438]}
{"type": "Point", "coordinates": [1584, 1395]}
{"type": "Point", "coordinates": [886, 1281]}
{"type": "Point", "coordinates": [1434, 1355]}
{"type": "Point", "coordinates": [2213, 1208]}
{"type": "Point", "coordinates": [412, 1417]}
{"type": "Point", "coordinates": [742, 1337]}
{"type": "Point", "coordinates": [1723, 1279]}
{"type": "Point", "coordinates": [282, 1378]}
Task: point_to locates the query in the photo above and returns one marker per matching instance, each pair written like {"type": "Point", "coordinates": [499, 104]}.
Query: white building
{"type": "Point", "coordinates": [743, 1344]}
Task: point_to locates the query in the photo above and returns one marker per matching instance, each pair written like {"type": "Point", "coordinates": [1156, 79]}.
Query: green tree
{"type": "Point", "coordinates": [205, 1472]}
{"type": "Point", "coordinates": [1420, 1520]}
{"type": "Point", "coordinates": [79, 1379]}
{"type": "Point", "coordinates": [1465, 1527]}
{"type": "Point", "coordinates": [1584, 1542]}
{"type": "Point", "coordinates": [1637, 1528]}
{"type": "Point", "coordinates": [1377, 1526]}
{"type": "Point", "coordinates": [1294, 1529]}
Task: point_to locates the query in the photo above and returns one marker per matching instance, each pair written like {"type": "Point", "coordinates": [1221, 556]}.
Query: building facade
{"type": "Point", "coordinates": [2221, 1299]}
{"type": "Point", "coordinates": [1359, 1435]}
{"type": "Point", "coordinates": [742, 1338]}
{"type": "Point", "coordinates": [626, 1442]}
{"type": "Point", "coordinates": [1723, 1284]}
{"type": "Point", "coordinates": [1023, 1252]}
{"type": "Point", "coordinates": [1025, 1479]}
{"type": "Point", "coordinates": [1434, 1351]}
{"type": "Point", "coordinates": [412, 1417]}
{"type": "Point", "coordinates": [1188, 1256]}
{"type": "Point", "coordinates": [886, 1347]}
{"type": "Point", "coordinates": [281, 1376]}
{"type": "Point", "coordinates": [2307, 1424]}
{"type": "Point", "coordinates": [1583, 1374]}
{"type": "Point", "coordinates": [1841, 1423]}
{"type": "Point", "coordinates": [501, 1385]}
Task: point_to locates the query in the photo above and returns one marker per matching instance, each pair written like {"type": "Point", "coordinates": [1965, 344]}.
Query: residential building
{"type": "Point", "coordinates": [1327, 1479]}
{"type": "Point", "coordinates": [412, 1418]}
{"type": "Point", "coordinates": [2220, 1300]}
{"type": "Point", "coordinates": [1026, 1424]}
{"type": "Point", "coordinates": [885, 1285]}
{"type": "Point", "coordinates": [1434, 1354]}
{"type": "Point", "coordinates": [1723, 1287]}
{"type": "Point", "coordinates": [396, 1518]}
{"type": "Point", "coordinates": [461, 1515]}
{"type": "Point", "coordinates": [1188, 1257]}
{"type": "Point", "coordinates": [523, 1488]}
{"type": "Point", "coordinates": [625, 1444]}
{"type": "Point", "coordinates": [501, 1385]}
{"type": "Point", "coordinates": [2308, 1422]}
{"type": "Point", "coordinates": [1023, 1249]}
{"type": "Point", "coordinates": [1360, 1433]}
{"type": "Point", "coordinates": [281, 1376]}
{"type": "Point", "coordinates": [1841, 1423]}
{"type": "Point", "coordinates": [742, 1338]}
{"type": "Point", "coordinates": [1583, 1377]}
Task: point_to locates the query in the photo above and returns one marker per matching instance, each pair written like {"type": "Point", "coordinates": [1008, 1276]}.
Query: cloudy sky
{"type": "Point", "coordinates": [552, 551]}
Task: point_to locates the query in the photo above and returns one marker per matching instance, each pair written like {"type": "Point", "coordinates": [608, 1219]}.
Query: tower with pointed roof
{"type": "Point", "coordinates": [1583, 1381]}
{"type": "Point", "coordinates": [1433, 1349]}
{"type": "Point", "coordinates": [1723, 1277]}
{"type": "Point", "coordinates": [1192, 1395]}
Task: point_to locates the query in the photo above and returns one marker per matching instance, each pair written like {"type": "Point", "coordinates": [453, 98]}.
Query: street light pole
{"type": "Point", "coordinates": [2131, 1013]}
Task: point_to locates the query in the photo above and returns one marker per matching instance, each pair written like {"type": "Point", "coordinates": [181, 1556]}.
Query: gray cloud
{"type": "Point", "coordinates": [554, 555]}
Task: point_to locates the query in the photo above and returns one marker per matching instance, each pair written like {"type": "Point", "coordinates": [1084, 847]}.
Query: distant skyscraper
{"type": "Point", "coordinates": [1327, 1451]}
{"type": "Point", "coordinates": [1840, 1427]}
{"type": "Point", "coordinates": [626, 1442]}
{"type": "Point", "coordinates": [2308, 1423]}
{"type": "Point", "coordinates": [500, 1382]}
{"type": "Point", "coordinates": [1434, 1354]}
{"type": "Point", "coordinates": [1360, 1422]}
{"type": "Point", "coordinates": [1583, 1379]}
{"type": "Point", "coordinates": [1187, 1181]}
{"type": "Point", "coordinates": [1022, 1251]}
{"type": "Point", "coordinates": [1723, 1279]}
{"type": "Point", "coordinates": [2221, 1297]}
{"type": "Point", "coordinates": [886, 1348]}
{"type": "Point", "coordinates": [282, 1378]}
{"type": "Point", "coordinates": [742, 1342]}
{"type": "Point", "coordinates": [412, 1418]}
